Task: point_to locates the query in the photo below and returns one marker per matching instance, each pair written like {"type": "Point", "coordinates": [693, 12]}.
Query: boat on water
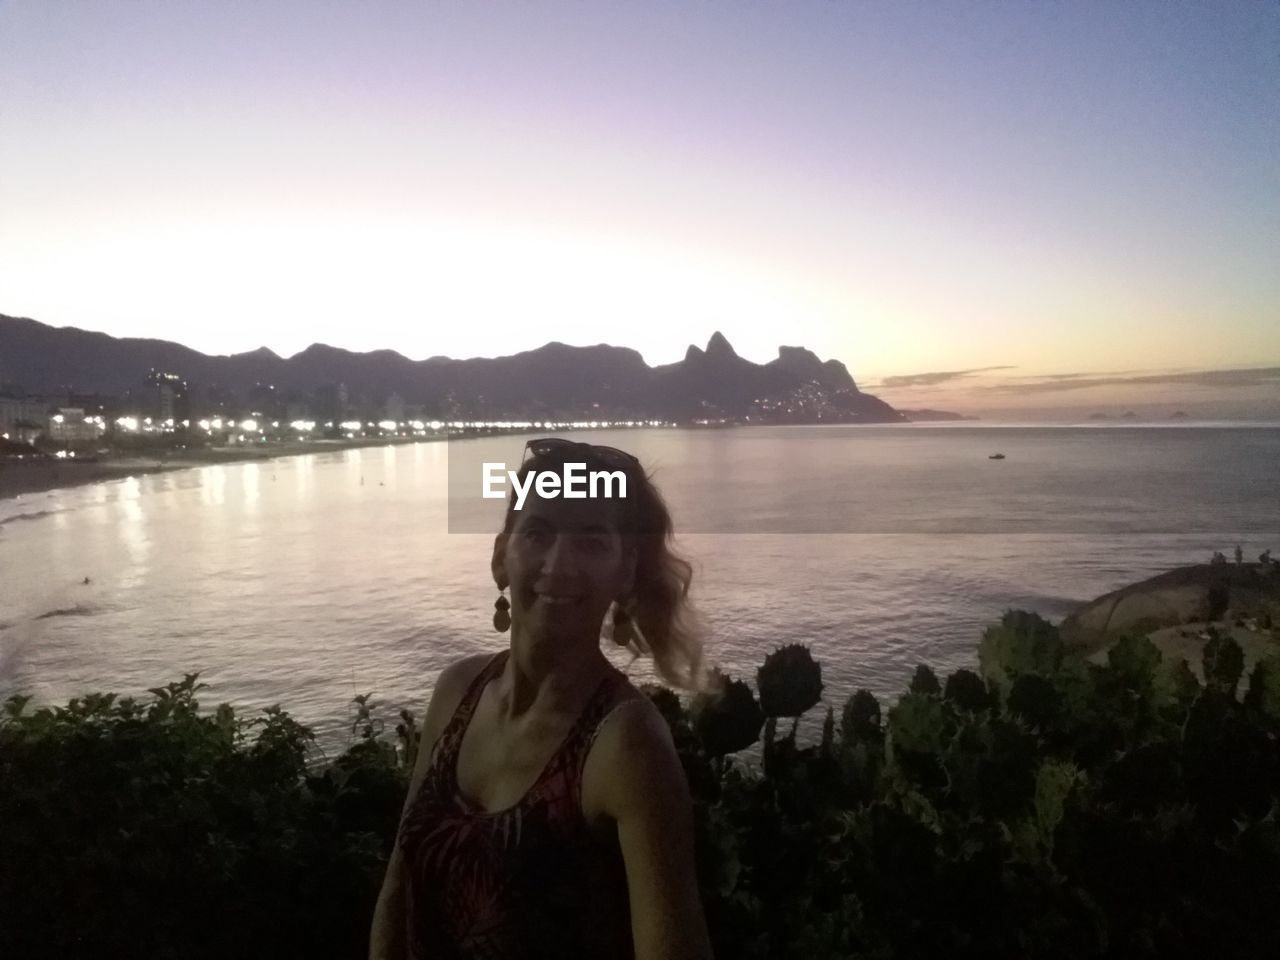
{"type": "Point", "coordinates": [996, 456]}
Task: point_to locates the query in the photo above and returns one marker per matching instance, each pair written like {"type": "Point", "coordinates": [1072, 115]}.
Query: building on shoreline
{"type": "Point", "coordinates": [23, 415]}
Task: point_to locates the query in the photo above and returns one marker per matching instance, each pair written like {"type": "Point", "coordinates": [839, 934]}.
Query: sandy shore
{"type": "Point", "coordinates": [22, 477]}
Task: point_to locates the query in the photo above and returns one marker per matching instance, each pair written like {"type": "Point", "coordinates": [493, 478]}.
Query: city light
{"type": "Point", "coordinates": [256, 429]}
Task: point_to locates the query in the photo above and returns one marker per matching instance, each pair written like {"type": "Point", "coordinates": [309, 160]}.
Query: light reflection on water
{"type": "Point", "coordinates": [307, 580]}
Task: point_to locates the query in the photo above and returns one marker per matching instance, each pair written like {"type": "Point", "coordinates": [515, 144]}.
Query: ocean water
{"type": "Point", "coordinates": [307, 580]}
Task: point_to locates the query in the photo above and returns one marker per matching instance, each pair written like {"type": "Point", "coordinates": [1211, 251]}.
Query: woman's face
{"type": "Point", "coordinates": [565, 563]}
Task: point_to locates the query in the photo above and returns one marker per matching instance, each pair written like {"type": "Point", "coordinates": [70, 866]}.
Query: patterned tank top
{"type": "Point", "coordinates": [525, 882]}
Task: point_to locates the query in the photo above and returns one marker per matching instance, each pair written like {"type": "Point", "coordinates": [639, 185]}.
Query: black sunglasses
{"type": "Point", "coordinates": [611, 456]}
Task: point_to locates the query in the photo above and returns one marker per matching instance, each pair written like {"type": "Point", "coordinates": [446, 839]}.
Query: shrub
{"type": "Point", "coordinates": [790, 682]}
{"type": "Point", "coordinates": [1118, 810]}
{"type": "Point", "coordinates": [151, 830]}
{"type": "Point", "coordinates": [728, 720]}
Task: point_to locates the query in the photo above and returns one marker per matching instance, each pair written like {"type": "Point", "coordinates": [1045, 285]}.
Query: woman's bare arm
{"type": "Point", "coordinates": [648, 796]}
{"type": "Point", "coordinates": [387, 932]}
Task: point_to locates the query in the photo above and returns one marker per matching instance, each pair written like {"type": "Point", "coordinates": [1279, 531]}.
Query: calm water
{"type": "Point", "coordinates": [307, 580]}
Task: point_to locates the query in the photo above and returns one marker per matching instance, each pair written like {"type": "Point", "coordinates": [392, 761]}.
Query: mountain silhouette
{"type": "Point", "coordinates": [555, 379]}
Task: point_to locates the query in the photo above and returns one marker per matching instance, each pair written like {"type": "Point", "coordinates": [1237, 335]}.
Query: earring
{"type": "Point", "coordinates": [501, 612]}
{"type": "Point", "coordinates": [624, 632]}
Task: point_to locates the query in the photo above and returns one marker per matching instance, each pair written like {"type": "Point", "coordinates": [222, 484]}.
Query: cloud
{"type": "Point", "coordinates": [1062, 376]}
{"type": "Point", "coordinates": [932, 379]}
{"type": "Point", "coordinates": [1235, 378]}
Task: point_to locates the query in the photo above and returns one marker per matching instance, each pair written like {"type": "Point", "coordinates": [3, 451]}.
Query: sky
{"type": "Point", "coordinates": [991, 206]}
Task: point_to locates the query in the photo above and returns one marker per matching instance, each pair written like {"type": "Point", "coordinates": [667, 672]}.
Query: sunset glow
{"type": "Point", "coordinates": [1024, 190]}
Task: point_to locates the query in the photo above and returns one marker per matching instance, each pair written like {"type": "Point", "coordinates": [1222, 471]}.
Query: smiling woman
{"type": "Point", "coordinates": [550, 816]}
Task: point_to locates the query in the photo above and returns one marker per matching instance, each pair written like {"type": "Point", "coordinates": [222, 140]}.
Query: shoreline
{"type": "Point", "coordinates": [19, 479]}
{"type": "Point", "coordinates": [22, 478]}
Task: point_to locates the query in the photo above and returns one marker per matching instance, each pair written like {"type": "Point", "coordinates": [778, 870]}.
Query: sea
{"type": "Point", "coordinates": [308, 580]}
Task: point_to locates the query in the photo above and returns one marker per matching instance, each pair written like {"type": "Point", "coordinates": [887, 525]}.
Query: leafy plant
{"type": "Point", "coordinates": [1022, 643]}
{"type": "Point", "coordinates": [924, 680]}
{"type": "Point", "coordinates": [789, 681]}
{"type": "Point", "coordinates": [966, 690]}
{"type": "Point", "coordinates": [1223, 662]}
{"type": "Point", "coordinates": [728, 720]}
{"type": "Point", "coordinates": [1263, 695]}
{"type": "Point", "coordinates": [1044, 807]}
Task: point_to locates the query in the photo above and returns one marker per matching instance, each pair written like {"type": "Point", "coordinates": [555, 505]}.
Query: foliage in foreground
{"type": "Point", "coordinates": [152, 830]}
{"type": "Point", "coordinates": [1041, 806]}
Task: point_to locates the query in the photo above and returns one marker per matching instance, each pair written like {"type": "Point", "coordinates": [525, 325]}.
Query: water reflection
{"type": "Point", "coordinates": [389, 460]}
{"type": "Point", "coordinates": [251, 477]}
{"type": "Point", "coordinates": [130, 489]}
{"type": "Point", "coordinates": [303, 474]}
{"type": "Point", "coordinates": [132, 532]}
{"type": "Point", "coordinates": [213, 484]}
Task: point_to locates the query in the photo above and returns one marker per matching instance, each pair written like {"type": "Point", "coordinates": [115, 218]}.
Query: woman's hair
{"type": "Point", "coordinates": [666, 626]}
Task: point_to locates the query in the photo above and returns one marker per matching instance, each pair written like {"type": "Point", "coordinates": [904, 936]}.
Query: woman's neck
{"type": "Point", "coordinates": [544, 676]}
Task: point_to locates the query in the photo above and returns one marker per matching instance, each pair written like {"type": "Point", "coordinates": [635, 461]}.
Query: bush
{"type": "Point", "coordinates": [150, 830]}
{"type": "Point", "coordinates": [1048, 808]}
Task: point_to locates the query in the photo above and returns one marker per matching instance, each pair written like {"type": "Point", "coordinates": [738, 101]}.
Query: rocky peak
{"type": "Point", "coordinates": [804, 363]}
{"type": "Point", "coordinates": [718, 347]}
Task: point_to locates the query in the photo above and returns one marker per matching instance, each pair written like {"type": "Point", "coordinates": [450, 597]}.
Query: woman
{"type": "Point", "coordinates": [548, 814]}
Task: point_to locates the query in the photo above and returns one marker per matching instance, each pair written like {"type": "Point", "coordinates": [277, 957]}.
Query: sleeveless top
{"type": "Point", "coordinates": [525, 882]}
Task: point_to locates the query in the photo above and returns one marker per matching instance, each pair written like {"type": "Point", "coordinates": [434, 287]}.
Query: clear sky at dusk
{"type": "Point", "coordinates": [1087, 189]}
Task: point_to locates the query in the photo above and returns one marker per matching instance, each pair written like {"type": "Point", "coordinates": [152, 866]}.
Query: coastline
{"type": "Point", "coordinates": [22, 478]}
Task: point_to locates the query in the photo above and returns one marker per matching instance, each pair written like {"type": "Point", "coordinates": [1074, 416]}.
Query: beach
{"type": "Point", "coordinates": [19, 478]}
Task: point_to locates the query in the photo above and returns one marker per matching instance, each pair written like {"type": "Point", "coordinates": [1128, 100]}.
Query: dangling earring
{"type": "Point", "coordinates": [501, 612]}
{"type": "Point", "coordinates": [623, 630]}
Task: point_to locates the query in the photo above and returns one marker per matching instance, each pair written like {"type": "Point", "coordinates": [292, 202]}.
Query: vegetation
{"type": "Point", "coordinates": [1041, 806]}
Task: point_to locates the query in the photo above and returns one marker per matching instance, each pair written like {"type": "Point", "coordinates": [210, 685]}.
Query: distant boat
{"type": "Point", "coordinates": [996, 456]}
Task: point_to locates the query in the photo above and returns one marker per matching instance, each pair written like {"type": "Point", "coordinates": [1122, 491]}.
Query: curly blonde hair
{"type": "Point", "coordinates": [666, 626]}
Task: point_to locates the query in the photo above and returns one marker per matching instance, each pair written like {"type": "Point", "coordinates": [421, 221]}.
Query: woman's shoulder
{"type": "Point", "coordinates": [630, 713]}
{"type": "Point", "coordinates": [631, 741]}
{"type": "Point", "coordinates": [460, 673]}
{"type": "Point", "coordinates": [452, 683]}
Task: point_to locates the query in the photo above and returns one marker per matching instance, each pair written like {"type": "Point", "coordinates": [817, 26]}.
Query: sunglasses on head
{"type": "Point", "coordinates": [611, 456]}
